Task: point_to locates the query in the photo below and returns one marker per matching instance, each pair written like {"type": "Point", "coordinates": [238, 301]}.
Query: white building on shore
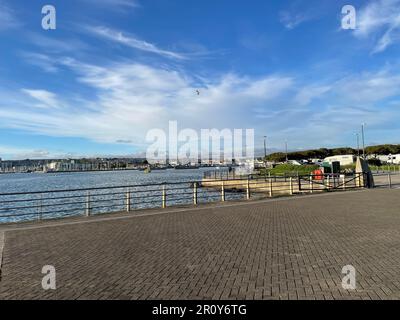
{"type": "Point", "coordinates": [345, 160]}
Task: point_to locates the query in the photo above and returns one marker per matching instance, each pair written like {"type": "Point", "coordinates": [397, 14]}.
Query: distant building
{"type": "Point", "coordinates": [391, 158]}
{"type": "Point", "coordinates": [295, 162]}
{"type": "Point", "coordinates": [345, 160]}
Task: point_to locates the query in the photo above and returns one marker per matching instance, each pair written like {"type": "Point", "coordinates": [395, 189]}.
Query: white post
{"type": "Point", "coordinates": [164, 197]}
{"type": "Point", "coordinates": [271, 188]}
{"type": "Point", "coordinates": [88, 207]}
{"type": "Point", "coordinates": [195, 193]}
{"type": "Point", "coordinates": [128, 200]}
{"type": "Point", "coordinates": [311, 184]}
{"type": "Point", "coordinates": [344, 182]}
{"type": "Point", "coordinates": [222, 192]}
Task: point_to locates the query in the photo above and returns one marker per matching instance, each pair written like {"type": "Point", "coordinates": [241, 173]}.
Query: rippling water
{"type": "Point", "coordinates": [28, 182]}
{"type": "Point", "coordinates": [44, 206]}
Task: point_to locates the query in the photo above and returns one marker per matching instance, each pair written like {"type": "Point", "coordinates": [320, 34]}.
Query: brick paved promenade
{"type": "Point", "coordinates": [274, 249]}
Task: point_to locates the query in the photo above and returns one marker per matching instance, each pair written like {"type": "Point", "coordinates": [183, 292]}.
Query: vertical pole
{"type": "Point", "coordinates": [390, 180]}
{"type": "Point", "coordinates": [328, 182]}
{"type": "Point", "coordinates": [291, 186]}
{"type": "Point", "coordinates": [222, 192]}
{"type": "Point", "coordinates": [128, 200]}
{"type": "Point", "coordinates": [195, 193]}
{"type": "Point", "coordinates": [164, 197]}
{"type": "Point", "coordinates": [270, 188]}
{"type": "Point", "coordinates": [88, 206]}
{"type": "Point", "coordinates": [344, 182]}
{"type": "Point", "coordinates": [299, 181]}
{"type": "Point", "coordinates": [40, 207]}
{"type": "Point", "coordinates": [311, 184]}
{"type": "Point", "coordinates": [363, 139]}
{"type": "Point", "coordinates": [248, 189]}
{"type": "Point", "coordinates": [265, 148]}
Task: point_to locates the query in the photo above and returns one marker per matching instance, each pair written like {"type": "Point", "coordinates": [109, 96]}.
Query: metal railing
{"type": "Point", "coordinates": [42, 205]}
{"type": "Point", "coordinates": [388, 179]}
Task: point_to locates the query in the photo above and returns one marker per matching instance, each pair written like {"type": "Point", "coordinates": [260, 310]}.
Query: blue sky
{"type": "Point", "coordinates": [114, 69]}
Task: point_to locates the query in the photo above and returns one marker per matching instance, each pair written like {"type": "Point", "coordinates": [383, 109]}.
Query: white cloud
{"type": "Point", "coordinates": [42, 61]}
{"type": "Point", "coordinates": [132, 42]}
{"type": "Point", "coordinates": [127, 99]}
{"type": "Point", "coordinates": [309, 93]}
{"type": "Point", "coordinates": [46, 99]}
{"type": "Point", "coordinates": [379, 19]}
{"type": "Point", "coordinates": [133, 98]}
{"type": "Point", "coordinates": [293, 19]}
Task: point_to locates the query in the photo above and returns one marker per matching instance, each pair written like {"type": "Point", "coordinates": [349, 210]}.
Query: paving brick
{"type": "Point", "coordinates": [285, 249]}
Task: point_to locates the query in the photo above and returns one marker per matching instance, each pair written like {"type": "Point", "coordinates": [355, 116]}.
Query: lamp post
{"type": "Point", "coordinates": [286, 151]}
{"type": "Point", "coordinates": [265, 147]}
{"type": "Point", "coordinates": [358, 143]}
{"type": "Point", "coordinates": [363, 139]}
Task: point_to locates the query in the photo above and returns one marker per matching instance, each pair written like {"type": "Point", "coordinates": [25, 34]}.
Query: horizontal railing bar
{"type": "Point", "coordinates": [128, 186]}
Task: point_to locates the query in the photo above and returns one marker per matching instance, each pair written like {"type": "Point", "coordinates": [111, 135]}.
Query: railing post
{"type": "Point", "coordinates": [128, 200]}
{"type": "Point", "coordinates": [291, 185]}
{"type": "Point", "coordinates": [390, 180]}
{"type": "Point", "coordinates": [328, 182]}
{"type": "Point", "coordinates": [271, 191]}
{"type": "Point", "coordinates": [299, 181]}
{"type": "Point", "coordinates": [222, 192]}
{"type": "Point", "coordinates": [311, 184]}
{"type": "Point", "coordinates": [40, 207]}
{"type": "Point", "coordinates": [88, 204]}
{"type": "Point", "coordinates": [344, 182]}
{"type": "Point", "coordinates": [164, 197]}
{"type": "Point", "coordinates": [248, 195]}
{"type": "Point", "coordinates": [195, 193]}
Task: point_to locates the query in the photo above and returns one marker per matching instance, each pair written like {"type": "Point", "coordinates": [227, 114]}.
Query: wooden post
{"type": "Point", "coordinates": [195, 193]}
{"type": "Point", "coordinates": [390, 180]}
{"type": "Point", "coordinates": [222, 192]}
{"type": "Point", "coordinates": [128, 200]}
{"type": "Point", "coordinates": [88, 206]}
{"type": "Point", "coordinates": [164, 197]}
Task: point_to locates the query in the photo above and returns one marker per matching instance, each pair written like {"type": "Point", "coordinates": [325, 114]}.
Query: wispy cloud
{"type": "Point", "coordinates": [40, 60]}
{"type": "Point", "coordinates": [115, 3]}
{"type": "Point", "coordinates": [45, 98]}
{"type": "Point", "coordinates": [293, 19]}
{"type": "Point", "coordinates": [379, 19]}
{"type": "Point", "coordinates": [8, 18]}
{"type": "Point", "coordinates": [132, 42]}
{"type": "Point", "coordinates": [130, 98]}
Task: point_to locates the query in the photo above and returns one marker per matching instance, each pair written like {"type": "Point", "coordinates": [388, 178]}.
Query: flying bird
{"type": "Point", "coordinates": [198, 92]}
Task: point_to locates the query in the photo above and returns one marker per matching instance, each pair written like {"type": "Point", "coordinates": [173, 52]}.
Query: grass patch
{"type": "Point", "coordinates": [290, 169]}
